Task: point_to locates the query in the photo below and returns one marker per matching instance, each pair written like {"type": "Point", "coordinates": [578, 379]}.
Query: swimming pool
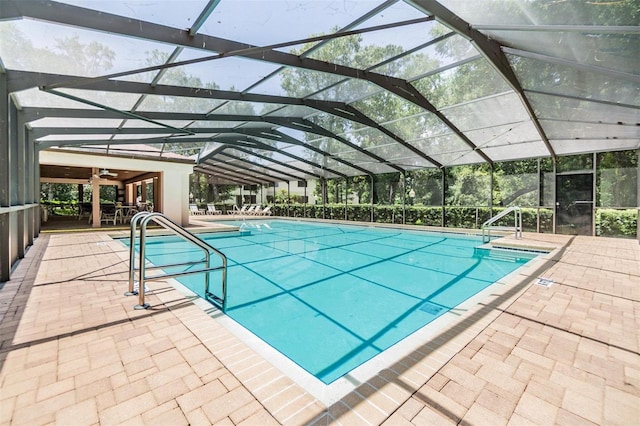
{"type": "Point", "coordinates": [330, 297]}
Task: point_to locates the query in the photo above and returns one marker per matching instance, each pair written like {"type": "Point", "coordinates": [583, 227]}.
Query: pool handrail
{"type": "Point", "coordinates": [144, 218]}
{"type": "Point", "coordinates": [486, 226]}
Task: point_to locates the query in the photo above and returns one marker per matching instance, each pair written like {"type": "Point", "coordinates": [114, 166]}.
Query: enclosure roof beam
{"type": "Point", "coordinates": [91, 19]}
{"type": "Point", "coordinates": [235, 160]}
{"type": "Point", "coordinates": [22, 80]}
{"type": "Point", "coordinates": [490, 49]}
{"type": "Point", "coordinates": [238, 176]}
{"type": "Point", "coordinates": [270, 169]}
{"type": "Point", "coordinates": [264, 157]}
{"type": "Point", "coordinates": [311, 163]}
{"type": "Point", "coordinates": [223, 179]}
{"type": "Point", "coordinates": [252, 175]}
{"type": "Point", "coordinates": [288, 139]}
{"type": "Point", "coordinates": [282, 137]}
{"type": "Point", "coordinates": [40, 132]}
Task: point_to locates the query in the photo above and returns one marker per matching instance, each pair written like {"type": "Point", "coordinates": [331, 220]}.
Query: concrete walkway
{"type": "Point", "coordinates": [74, 352]}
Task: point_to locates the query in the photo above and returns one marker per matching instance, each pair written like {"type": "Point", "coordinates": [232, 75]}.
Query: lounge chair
{"type": "Point", "coordinates": [193, 209]}
{"type": "Point", "coordinates": [264, 212]}
{"type": "Point", "coordinates": [256, 210]}
{"type": "Point", "coordinates": [236, 211]}
{"type": "Point", "coordinates": [211, 209]}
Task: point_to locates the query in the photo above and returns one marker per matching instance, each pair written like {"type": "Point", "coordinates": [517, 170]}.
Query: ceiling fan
{"type": "Point", "coordinates": [106, 172]}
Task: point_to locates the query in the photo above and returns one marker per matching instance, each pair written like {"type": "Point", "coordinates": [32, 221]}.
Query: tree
{"type": "Point", "coordinates": [59, 192]}
{"type": "Point", "coordinates": [68, 55]}
{"type": "Point", "coordinates": [381, 106]}
{"type": "Point", "coordinates": [516, 183]}
{"type": "Point", "coordinates": [617, 179]}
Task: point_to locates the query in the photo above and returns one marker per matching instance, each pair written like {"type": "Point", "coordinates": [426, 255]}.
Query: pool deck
{"type": "Point", "coordinates": [74, 352]}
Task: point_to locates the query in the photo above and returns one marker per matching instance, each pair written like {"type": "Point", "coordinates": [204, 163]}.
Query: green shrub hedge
{"type": "Point", "coordinates": [617, 223]}
{"type": "Point", "coordinates": [609, 222]}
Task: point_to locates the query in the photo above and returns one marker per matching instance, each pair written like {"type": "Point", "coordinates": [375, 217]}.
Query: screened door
{"type": "Point", "coordinates": [574, 204]}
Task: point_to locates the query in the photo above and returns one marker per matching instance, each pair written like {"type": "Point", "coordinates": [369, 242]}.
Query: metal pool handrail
{"type": "Point", "coordinates": [144, 218]}
{"type": "Point", "coordinates": [517, 223]}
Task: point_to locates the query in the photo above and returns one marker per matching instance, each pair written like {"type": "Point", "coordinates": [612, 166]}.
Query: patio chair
{"type": "Point", "coordinates": [84, 210]}
{"type": "Point", "coordinates": [211, 209]}
{"type": "Point", "coordinates": [108, 213]}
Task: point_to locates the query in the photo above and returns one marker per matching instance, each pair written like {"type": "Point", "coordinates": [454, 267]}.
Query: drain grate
{"type": "Point", "coordinates": [544, 282]}
{"type": "Point", "coordinates": [431, 308]}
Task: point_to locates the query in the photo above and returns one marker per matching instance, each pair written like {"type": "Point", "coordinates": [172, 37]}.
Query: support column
{"type": "Point", "coordinates": [306, 200]}
{"type": "Point", "coordinates": [404, 196]}
{"type": "Point", "coordinates": [491, 190]}
{"type": "Point", "coordinates": [18, 199]}
{"type": "Point", "coordinates": [5, 151]}
{"type": "Point", "coordinates": [346, 196]}
{"type": "Point", "coordinates": [128, 193]}
{"type": "Point", "coordinates": [638, 198]}
{"type": "Point", "coordinates": [35, 184]}
{"type": "Point", "coordinates": [539, 201]}
{"type": "Point", "coordinates": [288, 199]}
{"type": "Point", "coordinates": [32, 195]}
{"type": "Point", "coordinates": [95, 198]}
{"type": "Point", "coordinates": [158, 200]}
{"type": "Point", "coordinates": [324, 198]}
{"type": "Point", "coordinates": [443, 220]}
{"type": "Point", "coordinates": [555, 196]}
{"type": "Point", "coordinates": [372, 189]}
{"type": "Point", "coordinates": [4, 143]}
{"type": "Point", "coordinates": [143, 191]}
{"type": "Point", "coordinates": [594, 171]}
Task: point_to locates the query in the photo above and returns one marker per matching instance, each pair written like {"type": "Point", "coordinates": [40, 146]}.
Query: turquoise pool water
{"type": "Point", "coordinates": [330, 297]}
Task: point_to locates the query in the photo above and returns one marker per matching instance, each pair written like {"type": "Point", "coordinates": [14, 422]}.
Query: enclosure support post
{"type": "Point", "coordinates": [443, 221]}
{"type": "Point", "coordinates": [346, 196]}
{"type": "Point", "coordinates": [372, 186]}
{"type": "Point", "coordinates": [539, 199]}
{"type": "Point", "coordinates": [95, 198]}
{"type": "Point", "coordinates": [404, 195]}
{"type": "Point", "coordinates": [17, 156]}
{"type": "Point", "coordinates": [324, 197]}
{"type": "Point", "coordinates": [35, 183]}
{"type": "Point", "coordinates": [638, 198]}
{"type": "Point", "coordinates": [491, 177]}
{"type": "Point", "coordinates": [5, 182]}
{"type": "Point", "coordinates": [555, 197]}
{"type": "Point", "coordinates": [594, 169]}
{"type": "Point", "coordinates": [288, 199]}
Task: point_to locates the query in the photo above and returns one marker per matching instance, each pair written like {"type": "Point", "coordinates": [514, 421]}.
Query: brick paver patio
{"type": "Point", "coordinates": [74, 352]}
